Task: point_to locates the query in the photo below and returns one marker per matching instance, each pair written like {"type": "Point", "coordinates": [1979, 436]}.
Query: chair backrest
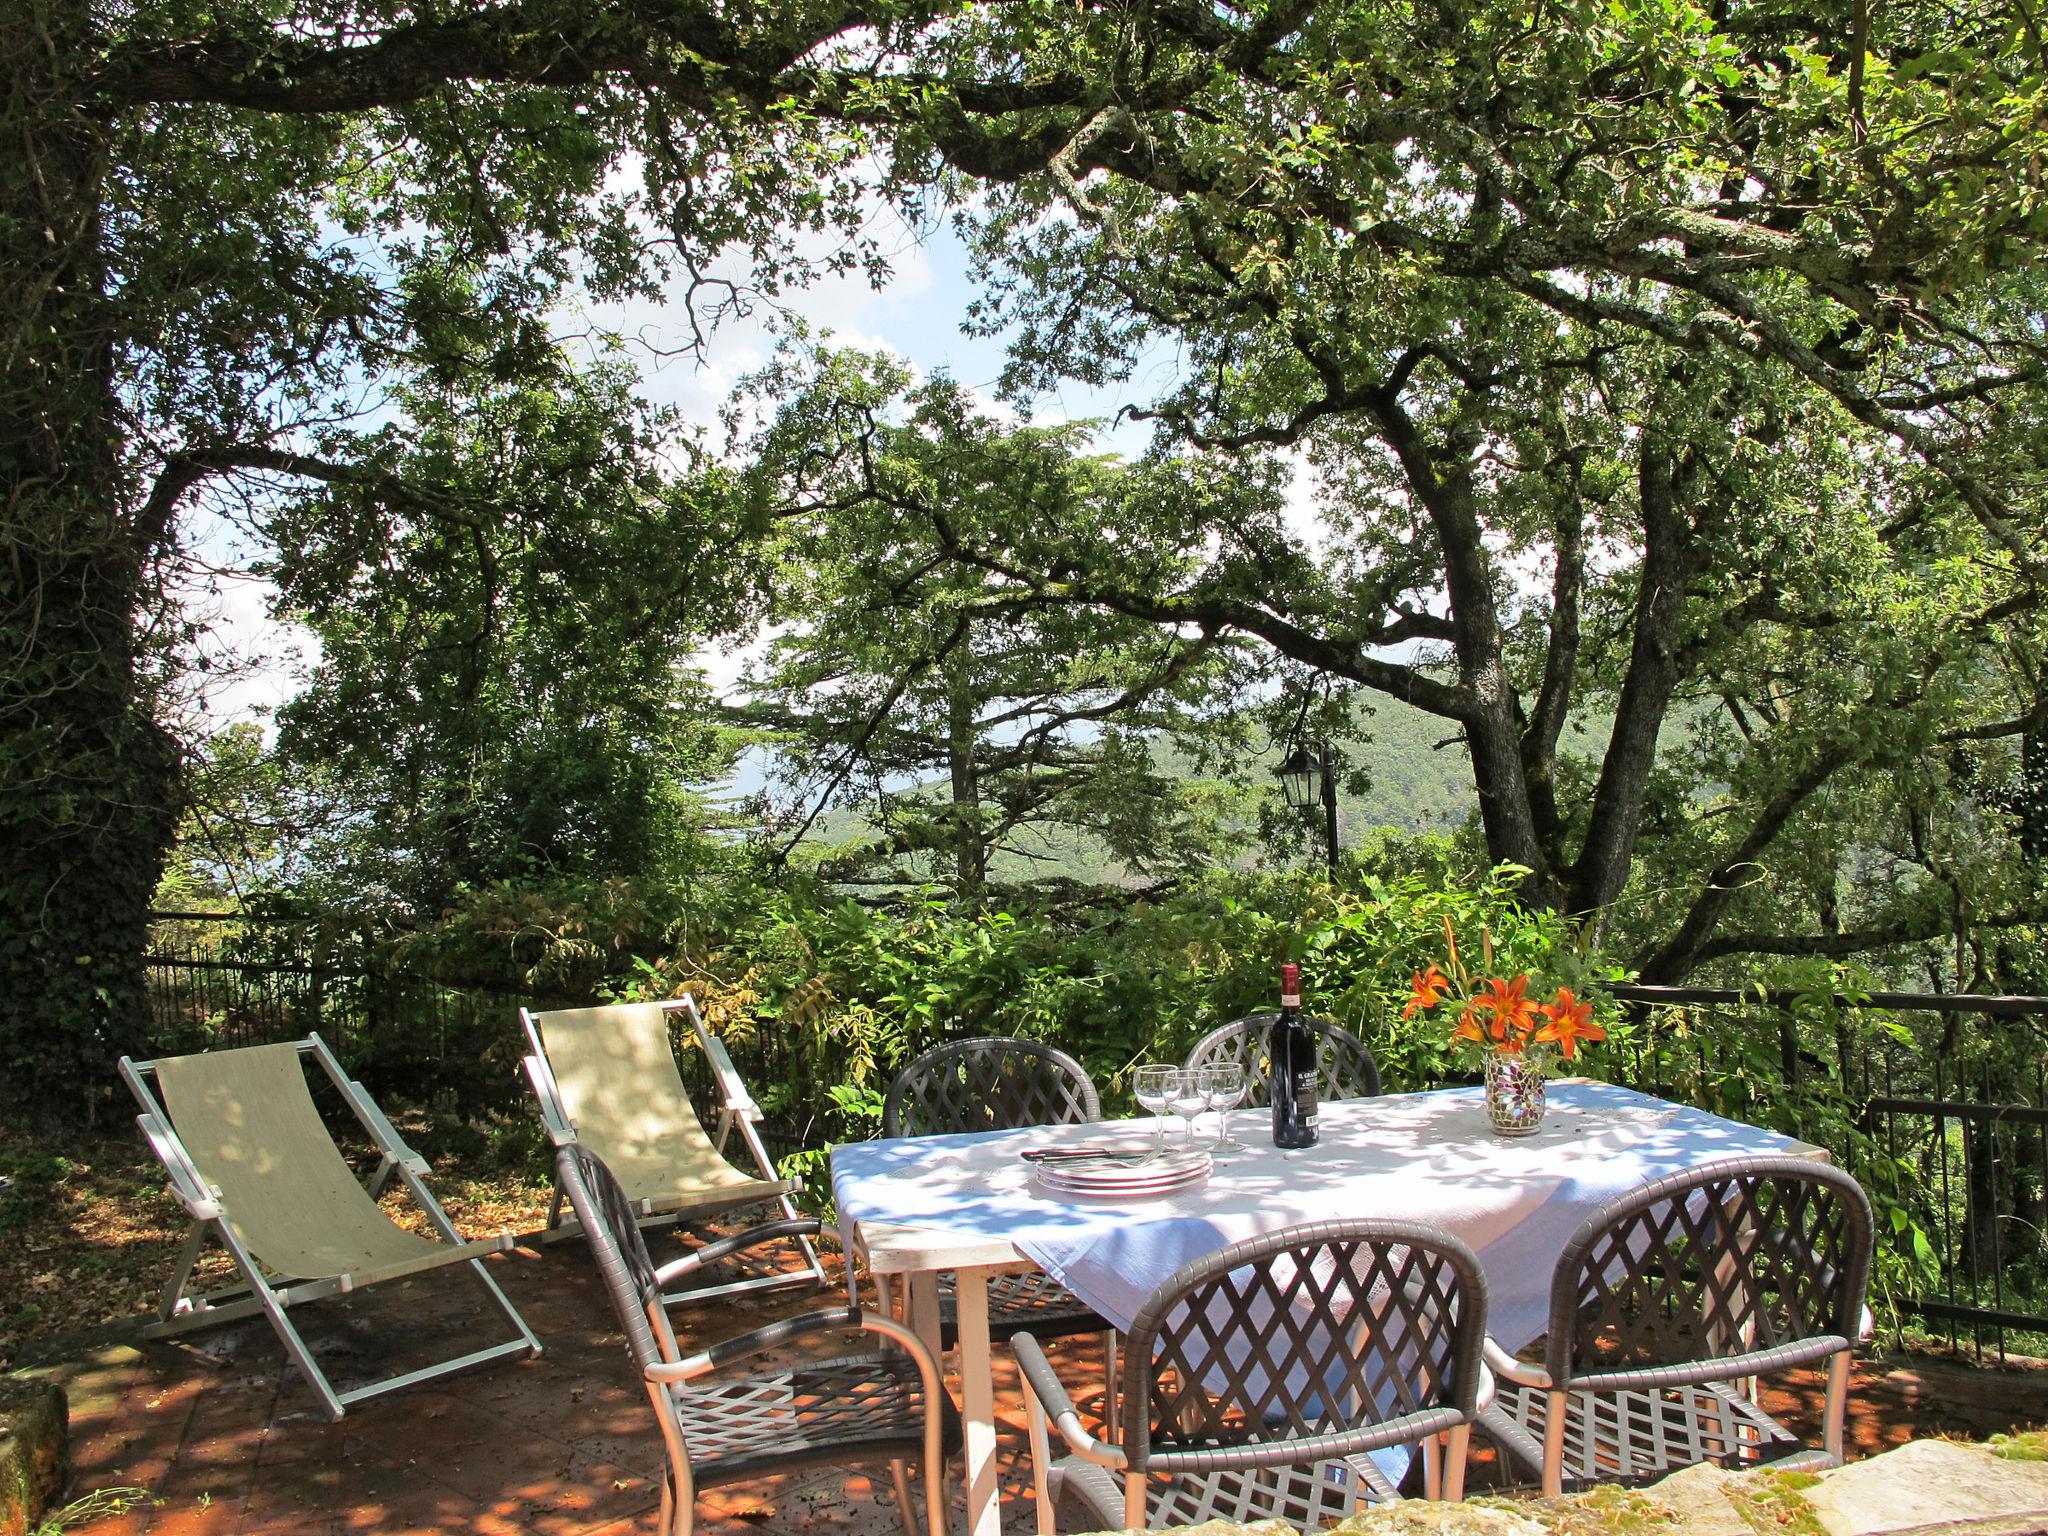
{"type": "Point", "coordinates": [615, 1070]}
{"type": "Point", "coordinates": [1326, 1339]}
{"type": "Point", "coordinates": [1345, 1068]}
{"type": "Point", "coordinates": [1728, 1270]}
{"type": "Point", "coordinates": [988, 1085]}
{"type": "Point", "coordinates": [609, 1224]}
{"type": "Point", "coordinates": [247, 1120]}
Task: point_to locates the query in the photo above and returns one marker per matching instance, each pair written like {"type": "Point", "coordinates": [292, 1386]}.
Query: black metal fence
{"type": "Point", "coordinates": [225, 981]}
{"type": "Point", "coordinates": [1937, 1102]}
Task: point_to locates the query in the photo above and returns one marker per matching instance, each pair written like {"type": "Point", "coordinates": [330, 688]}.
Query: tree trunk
{"type": "Point", "coordinates": [970, 854]}
{"type": "Point", "coordinates": [88, 781]}
{"type": "Point", "coordinates": [1655, 667]}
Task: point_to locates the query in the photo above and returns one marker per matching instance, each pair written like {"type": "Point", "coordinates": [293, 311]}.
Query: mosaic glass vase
{"type": "Point", "coordinates": [1514, 1092]}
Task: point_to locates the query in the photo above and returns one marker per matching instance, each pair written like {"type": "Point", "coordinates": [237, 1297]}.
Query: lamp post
{"type": "Point", "coordinates": [1306, 778]}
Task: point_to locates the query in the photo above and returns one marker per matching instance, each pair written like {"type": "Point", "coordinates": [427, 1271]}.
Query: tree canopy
{"type": "Point", "coordinates": [1677, 364]}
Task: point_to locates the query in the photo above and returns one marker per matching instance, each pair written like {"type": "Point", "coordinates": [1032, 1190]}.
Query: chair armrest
{"type": "Point", "coordinates": [725, 1247]}
{"type": "Point", "coordinates": [560, 1132]}
{"type": "Point", "coordinates": [774, 1335]}
{"type": "Point", "coordinates": [732, 1087]}
{"type": "Point", "coordinates": [188, 1185]}
{"type": "Point", "coordinates": [387, 1133]}
{"type": "Point", "coordinates": [1503, 1364]}
{"type": "Point", "coordinates": [1044, 1384]}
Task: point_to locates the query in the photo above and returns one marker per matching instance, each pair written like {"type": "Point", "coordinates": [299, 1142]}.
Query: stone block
{"type": "Point", "coordinates": [1927, 1483]}
{"type": "Point", "coordinates": [35, 1459]}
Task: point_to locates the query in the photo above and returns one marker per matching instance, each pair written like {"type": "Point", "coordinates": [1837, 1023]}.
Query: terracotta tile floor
{"type": "Point", "coordinates": [231, 1444]}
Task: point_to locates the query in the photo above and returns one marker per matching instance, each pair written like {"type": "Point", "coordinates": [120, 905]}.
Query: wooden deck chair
{"type": "Point", "coordinates": [255, 1168]}
{"type": "Point", "coordinates": [607, 1078]}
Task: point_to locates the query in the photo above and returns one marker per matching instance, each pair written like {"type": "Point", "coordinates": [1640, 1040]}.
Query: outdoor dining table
{"type": "Point", "coordinates": [919, 1206]}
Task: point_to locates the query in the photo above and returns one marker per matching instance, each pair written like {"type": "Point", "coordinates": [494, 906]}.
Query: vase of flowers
{"type": "Point", "coordinates": [1514, 1031]}
{"type": "Point", "coordinates": [1514, 1092]}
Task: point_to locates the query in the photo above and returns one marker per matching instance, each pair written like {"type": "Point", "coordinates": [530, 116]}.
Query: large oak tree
{"type": "Point", "coordinates": [222, 225]}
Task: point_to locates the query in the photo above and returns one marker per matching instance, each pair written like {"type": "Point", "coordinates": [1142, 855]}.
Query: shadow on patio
{"type": "Point", "coordinates": [227, 1442]}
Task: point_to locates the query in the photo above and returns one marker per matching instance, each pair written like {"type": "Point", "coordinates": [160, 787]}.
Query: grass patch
{"type": "Point", "coordinates": [2027, 1445]}
{"type": "Point", "coordinates": [102, 1503]}
{"type": "Point", "coordinates": [1771, 1504]}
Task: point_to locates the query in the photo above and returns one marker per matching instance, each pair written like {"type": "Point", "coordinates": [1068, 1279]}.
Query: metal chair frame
{"type": "Point", "coordinates": [1346, 1068]}
{"type": "Point", "coordinates": [738, 1114]}
{"type": "Point", "coordinates": [261, 1292]}
{"type": "Point", "coordinates": [749, 1426]}
{"type": "Point", "coordinates": [1668, 1304]}
{"type": "Point", "coordinates": [1237, 1424]}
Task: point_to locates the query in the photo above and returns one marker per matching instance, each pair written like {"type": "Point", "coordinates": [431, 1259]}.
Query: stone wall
{"type": "Point", "coordinates": [34, 1442]}
{"type": "Point", "coordinates": [1928, 1488]}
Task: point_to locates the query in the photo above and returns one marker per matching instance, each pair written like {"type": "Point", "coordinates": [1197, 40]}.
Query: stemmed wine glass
{"type": "Point", "coordinates": [1153, 1085]}
{"type": "Point", "coordinates": [1188, 1094]}
{"type": "Point", "coordinates": [1226, 1085]}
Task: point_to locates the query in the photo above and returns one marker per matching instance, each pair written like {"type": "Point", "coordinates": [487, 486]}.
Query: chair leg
{"type": "Point", "coordinates": [667, 1519]}
{"type": "Point", "coordinates": [505, 1305]}
{"type": "Point", "coordinates": [1837, 1408]}
{"type": "Point", "coordinates": [900, 1476]}
{"type": "Point", "coordinates": [1553, 1443]}
{"type": "Point", "coordinates": [1459, 1442]}
{"type": "Point", "coordinates": [1041, 1461]}
{"type": "Point", "coordinates": [1111, 1396]}
{"type": "Point", "coordinates": [287, 1332]}
{"type": "Point", "coordinates": [188, 1256]}
{"type": "Point", "coordinates": [935, 1496]}
{"type": "Point", "coordinates": [1432, 1468]}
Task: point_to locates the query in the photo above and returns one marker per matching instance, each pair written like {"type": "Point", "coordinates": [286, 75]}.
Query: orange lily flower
{"type": "Point", "coordinates": [1427, 991]}
{"type": "Point", "coordinates": [1468, 1022]}
{"type": "Point", "coordinates": [1513, 1014]}
{"type": "Point", "coordinates": [1570, 1022]}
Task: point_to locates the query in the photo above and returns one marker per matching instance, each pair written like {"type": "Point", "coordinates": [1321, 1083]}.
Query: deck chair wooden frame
{"type": "Point", "coordinates": [607, 1078]}
{"type": "Point", "coordinates": [278, 1267]}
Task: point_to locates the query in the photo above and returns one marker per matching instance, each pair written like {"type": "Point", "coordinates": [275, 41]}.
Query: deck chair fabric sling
{"type": "Point", "coordinates": [607, 1079]}
{"type": "Point", "coordinates": [249, 1158]}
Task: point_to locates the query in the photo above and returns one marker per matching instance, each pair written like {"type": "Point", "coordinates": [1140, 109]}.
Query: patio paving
{"type": "Point", "coordinates": [229, 1443]}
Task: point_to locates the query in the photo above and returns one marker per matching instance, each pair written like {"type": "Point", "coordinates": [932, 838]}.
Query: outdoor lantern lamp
{"type": "Point", "coordinates": [1309, 779]}
{"type": "Point", "coordinates": [1298, 779]}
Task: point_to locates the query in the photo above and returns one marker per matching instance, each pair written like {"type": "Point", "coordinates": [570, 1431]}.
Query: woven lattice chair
{"type": "Point", "coordinates": [888, 1406]}
{"type": "Point", "coordinates": [988, 1084]}
{"type": "Point", "coordinates": [992, 1084]}
{"type": "Point", "coordinates": [1256, 1380]}
{"type": "Point", "coordinates": [1345, 1068]}
{"type": "Point", "coordinates": [1665, 1307]}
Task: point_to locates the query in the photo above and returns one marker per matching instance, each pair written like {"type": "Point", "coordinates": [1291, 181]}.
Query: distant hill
{"type": "Point", "coordinates": [1421, 777]}
{"type": "Point", "coordinates": [1416, 786]}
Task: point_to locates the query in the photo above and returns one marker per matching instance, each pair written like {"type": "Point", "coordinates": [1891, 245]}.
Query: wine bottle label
{"type": "Point", "coordinates": [1305, 1096]}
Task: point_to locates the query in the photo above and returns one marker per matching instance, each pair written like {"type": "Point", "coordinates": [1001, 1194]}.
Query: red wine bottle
{"type": "Point", "coordinates": [1291, 1048]}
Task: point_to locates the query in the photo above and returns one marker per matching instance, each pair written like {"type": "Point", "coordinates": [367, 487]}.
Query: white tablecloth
{"type": "Point", "coordinates": [1422, 1157]}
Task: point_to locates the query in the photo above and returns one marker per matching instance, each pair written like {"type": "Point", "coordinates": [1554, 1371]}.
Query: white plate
{"type": "Point", "coordinates": [1159, 1176]}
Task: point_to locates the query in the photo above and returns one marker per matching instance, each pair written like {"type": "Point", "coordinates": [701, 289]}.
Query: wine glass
{"type": "Point", "coordinates": [1152, 1083]}
{"type": "Point", "coordinates": [1226, 1090]}
{"type": "Point", "coordinates": [1188, 1096]}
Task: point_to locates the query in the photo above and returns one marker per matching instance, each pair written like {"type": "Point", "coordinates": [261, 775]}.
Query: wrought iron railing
{"type": "Point", "coordinates": [1938, 1101]}
{"type": "Point", "coordinates": [225, 980]}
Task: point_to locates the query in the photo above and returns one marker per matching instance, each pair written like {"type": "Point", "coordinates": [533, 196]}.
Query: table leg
{"type": "Point", "coordinates": [921, 1312]}
{"type": "Point", "coordinates": [978, 1406]}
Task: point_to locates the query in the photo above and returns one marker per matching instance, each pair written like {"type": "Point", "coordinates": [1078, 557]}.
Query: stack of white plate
{"type": "Point", "coordinates": [1123, 1178]}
